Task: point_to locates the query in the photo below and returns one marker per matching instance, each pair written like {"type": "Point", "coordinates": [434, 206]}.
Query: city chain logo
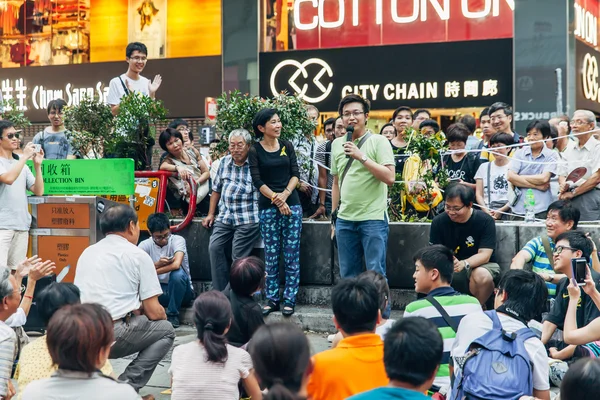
{"type": "Point", "coordinates": [301, 70]}
{"type": "Point", "coordinates": [590, 77]}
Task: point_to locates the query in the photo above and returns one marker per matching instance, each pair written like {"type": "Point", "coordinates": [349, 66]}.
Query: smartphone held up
{"type": "Point", "coordinates": [579, 266]}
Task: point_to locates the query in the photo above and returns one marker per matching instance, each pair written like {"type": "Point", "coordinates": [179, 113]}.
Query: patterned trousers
{"type": "Point", "coordinates": [280, 231]}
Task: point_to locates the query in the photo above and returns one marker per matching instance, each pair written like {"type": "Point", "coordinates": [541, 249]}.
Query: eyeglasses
{"type": "Point", "coordinates": [354, 114]}
{"type": "Point", "coordinates": [183, 129]}
{"type": "Point", "coordinates": [454, 209]}
{"type": "Point", "coordinates": [12, 135]}
{"type": "Point", "coordinates": [161, 237]}
{"type": "Point", "coordinates": [56, 113]}
{"type": "Point", "coordinates": [559, 249]}
{"type": "Point", "coordinates": [236, 146]}
{"type": "Point", "coordinates": [577, 122]}
{"type": "Point", "coordinates": [139, 59]}
{"type": "Point", "coordinates": [497, 117]}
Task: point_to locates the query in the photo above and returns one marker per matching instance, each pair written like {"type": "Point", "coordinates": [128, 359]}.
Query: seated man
{"type": "Point", "coordinates": [237, 221]}
{"type": "Point", "coordinates": [560, 217]}
{"type": "Point", "coordinates": [10, 295]}
{"type": "Point", "coordinates": [521, 296]}
{"type": "Point", "coordinates": [170, 257]}
{"type": "Point", "coordinates": [356, 364]}
{"type": "Point", "coordinates": [434, 267]}
{"type": "Point", "coordinates": [412, 353]}
{"type": "Point", "coordinates": [471, 235]}
{"type": "Point", "coordinates": [570, 244]}
{"type": "Point", "coordinates": [118, 275]}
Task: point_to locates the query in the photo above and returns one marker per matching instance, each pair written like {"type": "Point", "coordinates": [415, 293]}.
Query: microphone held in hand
{"type": "Point", "coordinates": [349, 132]}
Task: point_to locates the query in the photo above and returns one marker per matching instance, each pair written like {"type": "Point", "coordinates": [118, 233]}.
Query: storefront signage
{"type": "Point", "coordinates": [587, 95]}
{"type": "Point", "coordinates": [586, 25]}
{"type": "Point", "coordinates": [319, 24]}
{"type": "Point", "coordinates": [323, 77]}
{"type": "Point", "coordinates": [110, 176]}
{"type": "Point", "coordinates": [32, 88]}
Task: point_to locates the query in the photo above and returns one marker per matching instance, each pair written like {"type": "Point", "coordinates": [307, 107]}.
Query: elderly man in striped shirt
{"type": "Point", "coordinates": [237, 220]}
{"type": "Point", "coordinates": [434, 267]}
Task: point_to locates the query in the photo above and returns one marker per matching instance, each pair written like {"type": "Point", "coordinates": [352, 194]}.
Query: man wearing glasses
{"type": "Point", "coordinates": [584, 194]}
{"type": "Point", "coordinates": [501, 116]}
{"type": "Point", "coordinates": [15, 179]}
{"type": "Point", "coordinates": [359, 192]}
{"type": "Point", "coordinates": [132, 81]}
{"type": "Point", "coordinates": [53, 140]}
{"type": "Point", "coordinates": [170, 257]}
{"type": "Point", "coordinates": [471, 235]}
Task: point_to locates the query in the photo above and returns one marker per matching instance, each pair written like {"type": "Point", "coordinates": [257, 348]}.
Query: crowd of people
{"type": "Point", "coordinates": [473, 331]}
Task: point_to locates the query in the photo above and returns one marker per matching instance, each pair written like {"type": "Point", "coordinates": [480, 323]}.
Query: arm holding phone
{"type": "Point", "coordinates": [166, 264]}
{"type": "Point", "coordinates": [590, 332]}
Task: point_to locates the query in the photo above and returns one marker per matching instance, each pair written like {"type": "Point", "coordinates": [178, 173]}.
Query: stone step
{"type": "Point", "coordinates": [308, 318]}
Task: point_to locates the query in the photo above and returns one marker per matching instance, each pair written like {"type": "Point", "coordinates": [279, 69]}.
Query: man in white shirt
{"type": "Point", "coordinates": [118, 275]}
{"type": "Point", "coordinates": [521, 296]}
{"type": "Point", "coordinates": [582, 153]}
{"type": "Point", "coordinates": [132, 81]}
{"type": "Point", "coordinates": [10, 296]}
{"type": "Point", "coordinates": [15, 179]}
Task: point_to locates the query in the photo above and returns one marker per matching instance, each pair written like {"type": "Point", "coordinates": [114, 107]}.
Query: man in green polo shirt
{"type": "Point", "coordinates": [359, 194]}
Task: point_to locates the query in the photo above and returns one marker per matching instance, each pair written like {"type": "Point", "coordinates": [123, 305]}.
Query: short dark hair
{"type": "Point", "coordinates": [178, 122]}
{"type": "Point", "coordinates": [54, 296]}
{"type": "Point", "coordinates": [354, 98]}
{"type": "Point", "coordinates": [542, 126]}
{"type": "Point", "coordinates": [484, 112]}
{"type": "Point", "coordinates": [420, 111]}
{"type": "Point", "coordinates": [261, 118]}
{"type": "Point", "coordinates": [117, 219]}
{"type": "Point", "coordinates": [77, 334]}
{"type": "Point", "coordinates": [502, 138]}
{"type": "Point", "coordinates": [385, 126]}
{"type": "Point", "coordinates": [4, 125]}
{"type": "Point", "coordinates": [158, 222]}
{"type": "Point", "coordinates": [526, 293]}
{"type": "Point", "coordinates": [457, 133]}
{"type": "Point", "coordinates": [247, 275]}
{"type": "Point", "coordinates": [166, 135]}
{"type": "Point", "coordinates": [135, 46]}
{"type": "Point", "coordinates": [281, 355]}
{"type": "Point", "coordinates": [581, 380]}
{"type": "Point", "coordinates": [212, 316]}
{"type": "Point", "coordinates": [355, 305]}
{"type": "Point", "coordinates": [497, 106]}
{"type": "Point", "coordinates": [430, 123]}
{"type": "Point", "coordinates": [329, 121]}
{"type": "Point", "coordinates": [412, 350]}
{"type": "Point", "coordinates": [437, 257]}
{"type": "Point", "coordinates": [566, 211]}
{"type": "Point", "coordinates": [56, 104]}
{"type": "Point", "coordinates": [402, 108]}
{"type": "Point", "coordinates": [382, 286]}
{"type": "Point", "coordinates": [469, 121]}
{"type": "Point", "coordinates": [578, 241]}
{"type": "Point", "coordinates": [462, 192]}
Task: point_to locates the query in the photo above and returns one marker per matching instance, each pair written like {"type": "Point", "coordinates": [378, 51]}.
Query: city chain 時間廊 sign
{"type": "Point", "coordinates": [109, 176]}
{"type": "Point", "coordinates": [587, 93]}
{"type": "Point", "coordinates": [434, 75]}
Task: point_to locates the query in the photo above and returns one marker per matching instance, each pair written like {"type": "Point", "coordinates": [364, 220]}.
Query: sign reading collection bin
{"type": "Point", "coordinates": [108, 176]}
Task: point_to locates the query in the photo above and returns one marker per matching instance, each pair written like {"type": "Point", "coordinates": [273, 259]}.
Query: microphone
{"type": "Point", "coordinates": [349, 132]}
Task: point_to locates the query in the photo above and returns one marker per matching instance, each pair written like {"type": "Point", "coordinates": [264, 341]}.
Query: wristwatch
{"type": "Point", "coordinates": [550, 278]}
{"type": "Point", "coordinates": [467, 265]}
{"type": "Point", "coordinates": [363, 159]}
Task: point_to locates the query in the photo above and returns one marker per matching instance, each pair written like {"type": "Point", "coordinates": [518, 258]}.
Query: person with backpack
{"type": "Point", "coordinates": [561, 217]}
{"type": "Point", "coordinates": [495, 355]}
{"type": "Point", "coordinates": [434, 269]}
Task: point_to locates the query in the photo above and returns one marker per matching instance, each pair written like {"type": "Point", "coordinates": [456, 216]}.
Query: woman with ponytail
{"type": "Point", "coordinates": [210, 368]}
{"type": "Point", "coordinates": [281, 356]}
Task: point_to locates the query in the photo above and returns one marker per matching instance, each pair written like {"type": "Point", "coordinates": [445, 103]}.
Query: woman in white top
{"type": "Point", "coordinates": [209, 368]}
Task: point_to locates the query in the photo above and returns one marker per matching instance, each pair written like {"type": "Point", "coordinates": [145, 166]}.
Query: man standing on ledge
{"type": "Point", "coordinates": [362, 169]}
{"type": "Point", "coordinates": [132, 81]}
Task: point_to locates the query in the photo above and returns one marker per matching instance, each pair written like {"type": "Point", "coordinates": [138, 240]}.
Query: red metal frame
{"type": "Point", "coordinates": [162, 194]}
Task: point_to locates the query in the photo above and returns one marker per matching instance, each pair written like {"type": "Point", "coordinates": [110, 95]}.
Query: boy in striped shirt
{"type": "Point", "coordinates": [434, 267]}
{"type": "Point", "coordinates": [561, 217]}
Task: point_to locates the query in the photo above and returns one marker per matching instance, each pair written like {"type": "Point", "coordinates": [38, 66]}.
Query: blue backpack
{"type": "Point", "coordinates": [496, 367]}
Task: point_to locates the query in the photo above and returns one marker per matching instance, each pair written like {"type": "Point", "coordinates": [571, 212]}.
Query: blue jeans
{"type": "Point", "coordinates": [358, 239]}
{"type": "Point", "coordinates": [177, 292]}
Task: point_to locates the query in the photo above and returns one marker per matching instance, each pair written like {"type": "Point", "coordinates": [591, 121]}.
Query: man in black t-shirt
{"type": "Point", "coordinates": [471, 235]}
{"type": "Point", "coordinates": [570, 244]}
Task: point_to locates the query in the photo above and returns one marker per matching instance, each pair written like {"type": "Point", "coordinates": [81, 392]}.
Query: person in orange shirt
{"type": "Point", "coordinates": [356, 364]}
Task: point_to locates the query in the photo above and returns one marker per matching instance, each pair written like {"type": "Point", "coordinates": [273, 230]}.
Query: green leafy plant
{"type": "Point", "coordinates": [135, 125]}
{"type": "Point", "coordinates": [90, 127]}
{"type": "Point", "coordinates": [9, 111]}
{"type": "Point", "coordinates": [236, 110]}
